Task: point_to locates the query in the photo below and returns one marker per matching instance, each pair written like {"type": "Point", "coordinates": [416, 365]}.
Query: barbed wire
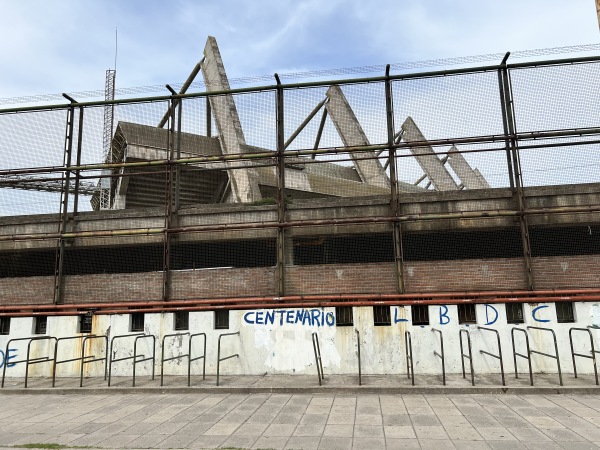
{"type": "Point", "coordinates": [378, 68]}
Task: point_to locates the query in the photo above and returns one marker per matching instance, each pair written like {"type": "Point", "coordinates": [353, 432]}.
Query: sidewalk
{"type": "Point", "coordinates": [309, 384]}
{"type": "Point", "coordinates": [119, 419]}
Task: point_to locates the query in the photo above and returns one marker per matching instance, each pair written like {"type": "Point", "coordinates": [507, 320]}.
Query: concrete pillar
{"type": "Point", "coordinates": [244, 182]}
{"type": "Point", "coordinates": [427, 159]}
{"type": "Point", "coordinates": [370, 171]}
{"type": "Point", "coordinates": [470, 178]}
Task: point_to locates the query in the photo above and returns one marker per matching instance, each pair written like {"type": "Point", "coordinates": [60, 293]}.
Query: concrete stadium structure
{"type": "Point", "coordinates": [213, 234]}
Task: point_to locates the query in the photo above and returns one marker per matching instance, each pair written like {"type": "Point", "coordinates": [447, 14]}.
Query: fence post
{"type": "Point", "coordinates": [510, 130]}
{"type": "Point", "coordinates": [394, 200]}
{"type": "Point", "coordinates": [280, 188]}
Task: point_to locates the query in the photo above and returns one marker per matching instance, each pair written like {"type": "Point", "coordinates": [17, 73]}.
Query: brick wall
{"type": "Point", "coordinates": [342, 278]}
{"type": "Point", "coordinates": [566, 272]}
{"type": "Point", "coordinates": [559, 272]}
{"type": "Point", "coordinates": [219, 283]}
{"type": "Point", "coordinates": [27, 291]}
{"type": "Point", "coordinates": [113, 287]}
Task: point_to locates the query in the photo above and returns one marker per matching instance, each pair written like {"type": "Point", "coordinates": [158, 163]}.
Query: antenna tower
{"type": "Point", "coordinates": [109, 117]}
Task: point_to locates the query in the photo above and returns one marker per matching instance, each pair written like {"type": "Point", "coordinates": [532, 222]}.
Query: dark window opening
{"type": "Point", "coordinates": [222, 319]}
{"type": "Point", "coordinates": [241, 253]}
{"type": "Point", "coordinates": [344, 316]}
{"type": "Point", "coordinates": [182, 320]}
{"type": "Point", "coordinates": [85, 323]}
{"type": "Point", "coordinates": [514, 313]}
{"type": "Point", "coordinates": [41, 324]}
{"type": "Point", "coordinates": [564, 312]}
{"type": "Point", "coordinates": [420, 314]}
{"type": "Point", "coordinates": [4, 325]}
{"type": "Point", "coordinates": [363, 249]}
{"type": "Point", "coordinates": [137, 321]}
{"type": "Point", "coordinates": [565, 241]}
{"type": "Point", "coordinates": [381, 316]}
{"type": "Point", "coordinates": [448, 245]}
{"type": "Point", "coordinates": [466, 313]}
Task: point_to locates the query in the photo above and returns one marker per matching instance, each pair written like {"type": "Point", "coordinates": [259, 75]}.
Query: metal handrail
{"type": "Point", "coordinates": [499, 355]}
{"type": "Point", "coordinates": [137, 361]}
{"type": "Point", "coordinates": [111, 358]}
{"type": "Point", "coordinates": [318, 359]}
{"type": "Point", "coordinates": [359, 362]}
{"type": "Point", "coordinates": [162, 354]}
{"type": "Point", "coordinates": [203, 357]}
{"type": "Point", "coordinates": [441, 355]}
{"type": "Point", "coordinates": [593, 351]}
{"type": "Point", "coordinates": [463, 355]}
{"type": "Point", "coordinates": [27, 361]}
{"type": "Point", "coordinates": [515, 353]}
{"type": "Point", "coordinates": [88, 361]}
{"type": "Point", "coordinates": [57, 362]}
{"type": "Point", "coordinates": [555, 356]}
{"type": "Point", "coordinates": [410, 370]}
{"type": "Point", "coordinates": [219, 359]}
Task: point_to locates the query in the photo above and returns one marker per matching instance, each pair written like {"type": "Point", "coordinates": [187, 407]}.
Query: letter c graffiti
{"type": "Point", "coordinates": [247, 315]}
{"type": "Point", "coordinates": [444, 319]}
{"type": "Point", "coordinates": [489, 321]}
{"type": "Point", "coordinates": [535, 310]}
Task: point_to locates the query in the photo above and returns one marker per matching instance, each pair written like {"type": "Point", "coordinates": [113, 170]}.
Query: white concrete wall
{"type": "Point", "coordinates": [283, 344]}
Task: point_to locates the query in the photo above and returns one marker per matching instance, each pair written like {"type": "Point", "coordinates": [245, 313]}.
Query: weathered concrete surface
{"type": "Point", "coordinates": [428, 202]}
{"type": "Point", "coordinates": [281, 344]}
{"type": "Point", "coordinates": [427, 159]}
{"type": "Point", "coordinates": [244, 182]}
{"type": "Point", "coordinates": [470, 178]}
{"type": "Point", "coordinates": [370, 170]}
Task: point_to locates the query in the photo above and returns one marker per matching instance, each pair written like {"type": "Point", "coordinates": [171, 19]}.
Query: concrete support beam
{"type": "Point", "coordinates": [244, 182]}
{"type": "Point", "coordinates": [470, 178]}
{"type": "Point", "coordinates": [370, 171]}
{"type": "Point", "coordinates": [427, 159]}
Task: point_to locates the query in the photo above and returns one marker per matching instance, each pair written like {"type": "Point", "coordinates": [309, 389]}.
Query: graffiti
{"type": "Point", "coordinates": [534, 314]}
{"type": "Point", "coordinates": [488, 309]}
{"type": "Point", "coordinates": [398, 319]}
{"type": "Point", "coordinates": [444, 319]}
{"type": "Point", "coordinates": [10, 354]}
{"type": "Point", "coordinates": [310, 317]}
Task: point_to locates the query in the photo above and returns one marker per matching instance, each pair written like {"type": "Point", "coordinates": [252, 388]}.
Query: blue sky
{"type": "Point", "coordinates": [66, 45]}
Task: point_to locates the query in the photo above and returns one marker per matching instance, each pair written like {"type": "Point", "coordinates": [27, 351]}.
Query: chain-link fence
{"type": "Point", "coordinates": [378, 185]}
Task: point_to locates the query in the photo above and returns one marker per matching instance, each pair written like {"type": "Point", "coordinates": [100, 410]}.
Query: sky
{"type": "Point", "coordinates": [67, 45]}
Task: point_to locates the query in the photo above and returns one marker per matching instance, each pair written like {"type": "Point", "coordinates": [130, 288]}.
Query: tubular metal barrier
{"type": "Point", "coordinates": [219, 359]}
{"type": "Point", "coordinates": [499, 355]}
{"type": "Point", "coordinates": [162, 354]}
{"type": "Point", "coordinates": [555, 356]}
{"type": "Point", "coordinates": [111, 358]}
{"type": "Point", "coordinates": [85, 361]}
{"type": "Point", "coordinates": [359, 364]}
{"type": "Point", "coordinates": [410, 370]}
{"type": "Point", "coordinates": [441, 354]}
{"type": "Point", "coordinates": [318, 360]}
{"type": "Point", "coordinates": [137, 361]}
{"type": "Point", "coordinates": [203, 357]}
{"type": "Point", "coordinates": [463, 355]}
{"type": "Point", "coordinates": [592, 354]}
{"type": "Point", "coordinates": [515, 354]}
{"type": "Point", "coordinates": [80, 358]}
{"type": "Point", "coordinates": [28, 361]}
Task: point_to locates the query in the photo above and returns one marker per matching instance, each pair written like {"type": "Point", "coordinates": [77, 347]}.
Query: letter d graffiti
{"type": "Point", "coordinates": [494, 311]}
